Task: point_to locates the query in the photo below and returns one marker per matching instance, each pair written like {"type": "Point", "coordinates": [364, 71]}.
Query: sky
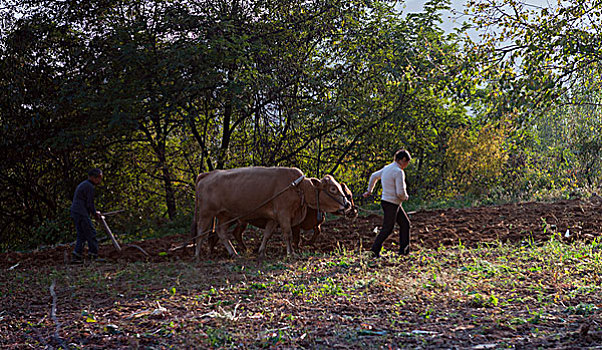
{"type": "Point", "coordinates": [450, 21]}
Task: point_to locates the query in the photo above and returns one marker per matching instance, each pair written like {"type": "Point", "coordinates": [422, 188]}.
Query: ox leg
{"type": "Point", "coordinates": [237, 233]}
{"type": "Point", "coordinates": [213, 239]}
{"type": "Point", "coordinates": [204, 229]}
{"type": "Point", "coordinates": [223, 236]}
{"type": "Point", "coordinates": [267, 233]}
{"type": "Point", "coordinates": [296, 231]}
{"type": "Point", "coordinates": [287, 233]}
{"type": "Point", "coordinates": [193, 231]}
{"type": "Point", "coordinates": [317, 231]}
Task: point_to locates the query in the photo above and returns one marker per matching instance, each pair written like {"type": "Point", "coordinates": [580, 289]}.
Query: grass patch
{"type": "Point", "coordinates": [497, 293]}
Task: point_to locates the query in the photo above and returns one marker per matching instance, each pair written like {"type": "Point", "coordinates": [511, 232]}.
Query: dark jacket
{"type": "Point", "coordinates": [83, 199]}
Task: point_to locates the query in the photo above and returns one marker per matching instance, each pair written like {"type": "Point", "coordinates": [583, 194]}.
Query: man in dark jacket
{"type": "Point", "coordinates": [81, 210]}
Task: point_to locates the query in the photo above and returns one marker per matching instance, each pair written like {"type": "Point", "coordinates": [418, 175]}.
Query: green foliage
{"type": "Point", "coordinates": [479, 300]}
{"type": "Point", "coordinates": [51, 231]}
{"type": "Point", "coordinates": [544, 49]}
{"type": "Point", "coordinates": [152, 227]}
{"type": "Point", "coordinates": [476, 160]}
{"type": "Point", "coordinates": [582, 309]}
{"type": "Point", "coordinates": [156, 92]}
{"type": "Point", "coordinates": [218, 337]}
{"type": "Point", "coordinates": [559, 157]}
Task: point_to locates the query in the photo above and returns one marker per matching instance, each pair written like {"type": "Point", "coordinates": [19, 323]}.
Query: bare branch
{"type": "Point", "coordinates": [57, 337]}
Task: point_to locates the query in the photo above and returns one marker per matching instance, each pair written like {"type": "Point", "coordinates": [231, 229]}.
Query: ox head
{"type": "Point", "coordinates": [331, 197]}
{"type": "Point", "coordinates": [352, 211]}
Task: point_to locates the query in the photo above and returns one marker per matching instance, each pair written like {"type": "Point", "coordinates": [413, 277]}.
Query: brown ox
{"type": "Point", "coordinates": [312, 221]}
{"type": "Point", "coordinates": [258, 193]}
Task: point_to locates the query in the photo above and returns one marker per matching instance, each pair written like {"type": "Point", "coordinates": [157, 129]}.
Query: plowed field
{"type": "Point", "coordinates": [474, 294]}
{"type": "Point", "coordinates": [573, 219]}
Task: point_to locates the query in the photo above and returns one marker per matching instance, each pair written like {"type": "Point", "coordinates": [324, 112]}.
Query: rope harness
{"type": "Point", "coordinates": [380, 213]}
{"type": "Point", "coordinates": [334, 199]}
{"type": "Point", "coordinates": [319, 215]}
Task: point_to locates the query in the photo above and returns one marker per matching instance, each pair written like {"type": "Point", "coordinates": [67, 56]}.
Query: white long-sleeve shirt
{"type": "Point", "coordinates": [392, 179]}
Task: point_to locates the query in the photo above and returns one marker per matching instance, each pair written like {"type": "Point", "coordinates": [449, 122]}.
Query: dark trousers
{"type": "Point", "coordinates": [85, 233]}
{"type": "Point", "coordinates": [393, 213]}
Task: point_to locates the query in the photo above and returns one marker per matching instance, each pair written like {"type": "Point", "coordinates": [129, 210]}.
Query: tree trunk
{"type": "Point", "coordinates": [221, 160]}
{"type": "Point", "coordinates": [170, 197]}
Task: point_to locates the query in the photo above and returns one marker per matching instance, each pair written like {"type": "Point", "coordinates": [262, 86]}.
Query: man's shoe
{"type": "Point", "coordinates": [404, 251]}
{"type": "Point", "coordinates": [76, 260]}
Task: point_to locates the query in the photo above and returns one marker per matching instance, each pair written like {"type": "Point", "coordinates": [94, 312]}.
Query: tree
{"type": "Point", "coordinates": [547, 85]}
{"type": "Point", "coordinates": [38, 125]}
{"type": "Point", "coordinates": [543, 49]}
{"type": "Point", "coordinates": [157, 91]}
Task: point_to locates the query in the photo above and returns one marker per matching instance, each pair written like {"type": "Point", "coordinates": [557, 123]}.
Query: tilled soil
{"type": "Point", "coordinates": [25, 320]}
{"type": "Point", "coordinates": [573, 219]}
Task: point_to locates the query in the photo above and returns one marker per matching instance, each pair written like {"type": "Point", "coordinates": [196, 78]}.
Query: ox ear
{"type": "Point", "coordinates": [316, 183]}
{"type": "Point", "coordinates": [329, 180]}
{"type": "Point", "coordinates": [346, 189]}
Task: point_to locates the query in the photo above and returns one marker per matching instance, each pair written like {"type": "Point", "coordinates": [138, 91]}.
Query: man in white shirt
{"type": "Point", "coordinates": [392, 179]}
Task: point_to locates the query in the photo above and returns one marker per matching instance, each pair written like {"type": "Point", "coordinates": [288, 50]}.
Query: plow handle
{"type": "Point", "coordinates": [109, 233]}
